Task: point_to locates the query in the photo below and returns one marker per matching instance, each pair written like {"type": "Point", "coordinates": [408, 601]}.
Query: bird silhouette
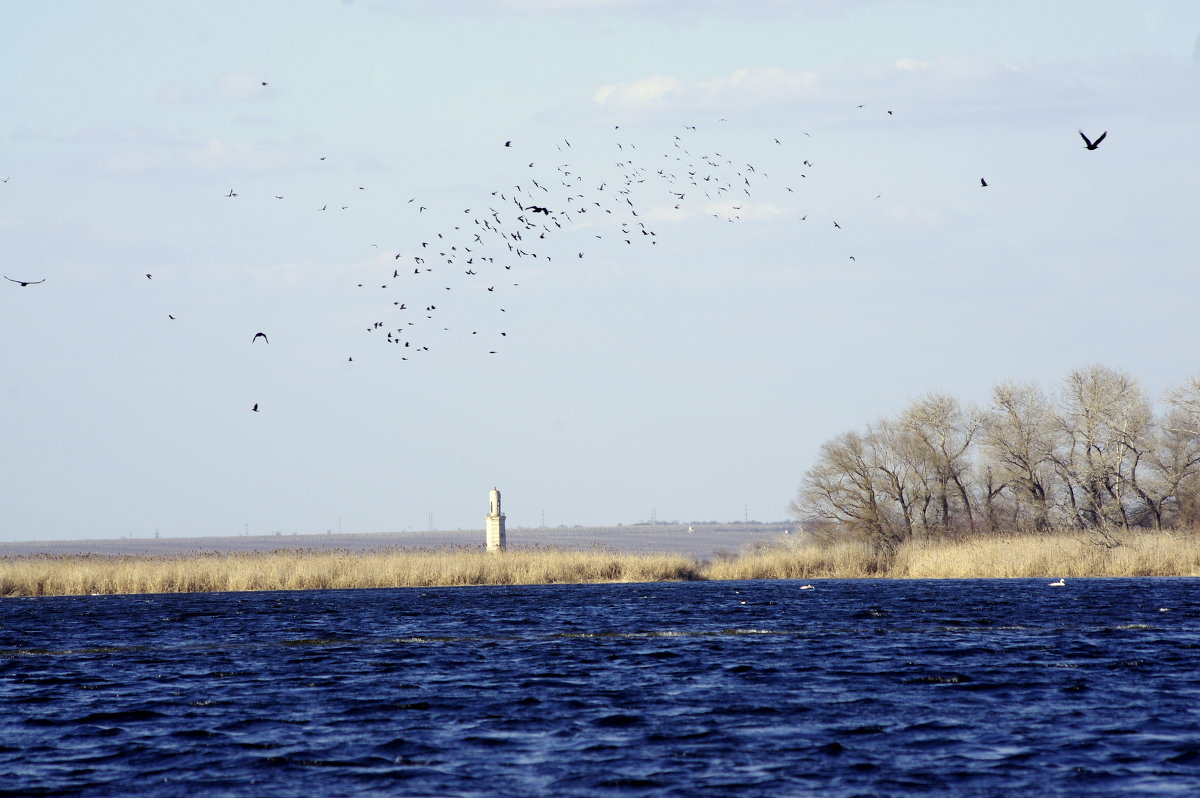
{"type": "Point", "coordinates": [24, 283]}
{"type": "Point", "coordinates": [261, 335]}
{"type": "Point", "coordinates": [1091, 145]}
{"type": "Point", "coordinates": [255, 408]}
{"type": "Point", "coordinates": [982, 183]}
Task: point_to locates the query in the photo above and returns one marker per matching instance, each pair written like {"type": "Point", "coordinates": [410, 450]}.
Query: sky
{"type": "Point", "coordinates": [690, 374]}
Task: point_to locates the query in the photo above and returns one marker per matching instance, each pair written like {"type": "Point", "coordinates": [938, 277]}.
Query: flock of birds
{"type": "Point", "coordinates": [523, 223]}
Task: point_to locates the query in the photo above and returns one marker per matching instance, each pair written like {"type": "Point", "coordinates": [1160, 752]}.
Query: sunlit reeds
{"type": "Point", "coordinates": [54, 575]}
{"type": "Point", "coordinates": [1063, 554]}
{"type": "Point", "coordinates": [1028, 555]}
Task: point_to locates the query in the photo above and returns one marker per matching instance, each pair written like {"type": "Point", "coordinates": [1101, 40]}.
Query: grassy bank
{"type": "Point", "coordinates": [1077, 555]}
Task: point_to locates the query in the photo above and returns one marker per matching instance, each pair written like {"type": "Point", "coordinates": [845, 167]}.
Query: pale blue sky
{"type": "Point", "coordinates": [695, 377]}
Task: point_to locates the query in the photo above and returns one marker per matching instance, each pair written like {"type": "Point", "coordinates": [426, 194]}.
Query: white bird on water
{"type": "Point", "coordinates": [1060, 583]}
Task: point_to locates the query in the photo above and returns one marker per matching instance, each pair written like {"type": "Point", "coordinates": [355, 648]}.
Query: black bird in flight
{"type": "Point", "coordinates": [1091, 145]}
{"type": "Point", "coordinates": [255, 408]}
{"type": "Point", "coordinates": [24, 283]}
{"type": "Point", "coordinates": [258, 335]}
{"type": "Point", "coordinates": [508, 143]}
{"type": "Point", "coordinates": [982, 183]}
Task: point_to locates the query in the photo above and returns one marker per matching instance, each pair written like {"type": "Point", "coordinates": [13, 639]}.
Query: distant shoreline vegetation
{"type": "Point", "coordinates": [1062, 554]}
{"type": "Point", "coordinates": [1096, 455]}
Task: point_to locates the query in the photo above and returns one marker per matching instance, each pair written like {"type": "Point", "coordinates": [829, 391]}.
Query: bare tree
{"type": "Point", "coordinates": [939, 439]}
{"type": "Point", "coordinates": [1172, 458]}
{"type": "Point", "coordinates": [1096, 458]}
{"type": "Point", "coordinates": [850, 484]}
{"type": "Point", "coordinates": [1184, 402]}
{"type": "Point", "coordinates": [1019, 441]}
{"type": "Point", "coordinates": [1104, 419]}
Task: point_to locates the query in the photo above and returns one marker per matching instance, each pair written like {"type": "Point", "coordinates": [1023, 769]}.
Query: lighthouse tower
{"type": "Point", "coordinates": [495, 523]}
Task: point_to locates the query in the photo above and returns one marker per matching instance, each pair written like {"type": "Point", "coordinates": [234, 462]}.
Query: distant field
{"type": "Point", "coordinates": [706, 541]}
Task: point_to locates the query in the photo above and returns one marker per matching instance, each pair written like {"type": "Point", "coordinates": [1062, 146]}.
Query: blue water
{"type": "Point", "coordinates": [735, 688]}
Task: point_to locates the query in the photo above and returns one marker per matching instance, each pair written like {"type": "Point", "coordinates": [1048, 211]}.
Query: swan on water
{"type": "Point", "coordinates": [1060, 583]}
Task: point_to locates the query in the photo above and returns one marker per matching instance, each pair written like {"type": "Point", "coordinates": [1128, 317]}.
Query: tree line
{"type": "Point", "coordinates": [1096, 454]}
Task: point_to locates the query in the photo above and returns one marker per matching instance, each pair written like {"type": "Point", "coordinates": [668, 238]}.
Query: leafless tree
{"type": "Point", "coordinates": [849, 485]}
{"type": "Point", "coordinates": [1019, 441]}
{"type": "Point", "coordinates": [1105, 420]}
{"type": "Point", "coordinates": [938, 438]}
{"type": "Point", "coordinates": [1096, 457]}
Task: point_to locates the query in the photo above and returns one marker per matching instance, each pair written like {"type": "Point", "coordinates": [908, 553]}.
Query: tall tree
{"type": "Point", "coordinates": [939, 438]}
{"type": "Point", "coordinates": [1019, 441]}
{"type": "Point", "coordinates": [1105, 419]}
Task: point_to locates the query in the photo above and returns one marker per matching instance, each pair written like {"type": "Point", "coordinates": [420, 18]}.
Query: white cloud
{"type": "Point", "coordinates": [640, 93]}
{"type": "Point", "coordinates": [940, 87]}
{"type": "Point", "coordinates": [220, 153]}
{"type": "Point", "coordinates": [762, 83]}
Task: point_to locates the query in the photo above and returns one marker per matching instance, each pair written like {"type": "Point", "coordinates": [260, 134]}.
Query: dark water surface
{"type": "Point", "coordinates": [982, 687]}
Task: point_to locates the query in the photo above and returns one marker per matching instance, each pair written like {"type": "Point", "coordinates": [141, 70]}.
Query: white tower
{"type": "Point", "coordinates": [495, 523]}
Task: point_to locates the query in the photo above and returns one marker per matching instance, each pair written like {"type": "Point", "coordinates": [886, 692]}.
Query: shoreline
{"type": "Point", "coordinates": [1073, 556]}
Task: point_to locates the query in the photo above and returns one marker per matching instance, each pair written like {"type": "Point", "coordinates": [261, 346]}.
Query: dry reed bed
{"type": "Point", "coordinates": [1133, 554]}
{"type": "Point", "coordinates": [311, 570]}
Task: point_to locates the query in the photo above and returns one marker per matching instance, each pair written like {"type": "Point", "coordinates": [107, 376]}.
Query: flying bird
{"type": "Point", "coordinates": [1091, 145]}
{"type": "Point", "coordinates": [261, 335]}
{"type": "Point", "coordinates": [24, 283]}
{"type": "Point", "coordinates": [255, 408]}
{"type": "Point", "coordinates": [982, 183]}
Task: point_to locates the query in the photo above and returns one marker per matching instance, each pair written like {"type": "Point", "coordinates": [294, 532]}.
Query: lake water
{"type": "Point", "coordinates": [988, 687]}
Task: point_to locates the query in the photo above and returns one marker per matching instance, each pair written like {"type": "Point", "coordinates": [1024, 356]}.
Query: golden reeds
{"type": "Point", "coordinates": [308, 569]}
{"type": "Point", "coordinates": [1064, 554]}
